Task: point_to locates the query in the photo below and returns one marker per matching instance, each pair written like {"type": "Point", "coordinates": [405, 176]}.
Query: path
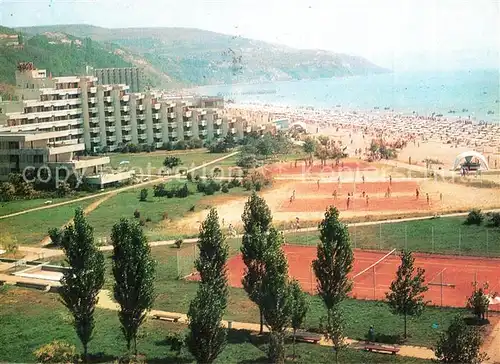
{"type": "Point", "coordinates": [141, 184]}
{"type": "Point", "coordinates": [492, 348]}
{"type": "Point", "coordinates": [106, 302]}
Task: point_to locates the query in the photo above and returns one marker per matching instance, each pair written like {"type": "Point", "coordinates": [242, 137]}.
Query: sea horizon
{"type": "Point", "coordinates": [471, 94]}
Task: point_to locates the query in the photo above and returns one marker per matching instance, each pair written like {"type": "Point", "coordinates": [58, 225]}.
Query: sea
{"type": "Point", "coordinates": [468, 94]}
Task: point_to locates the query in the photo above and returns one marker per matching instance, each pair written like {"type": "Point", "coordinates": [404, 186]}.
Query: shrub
{"type": "Point", "coordinates": [209, 189]}
{"type": "Point", "coordinates": [143, 195]}
{"type": "Point", "coordinates": [494, 219]}
{"type": "Point", "coordinates": [225, 189]}
{"type": "Point", "coordinates": [234, 183]}
{"type": "Point", "coordinates": [178, 243]}
{"type": "Point", "coordinates": [475, 217]}
{"type": "Point", "coordinates": [142, 222]}
{"type": "Point", "coordinates": [191, 209]}
{"type": "Point", "coordinates": [7, 191]}
{"type": "Point", "coordinates": [200, 186]}
{"type": "Point", "coordinates": [176, 342]}
{"type": "Point", "coordinates": [170, 193]}
{"type": "Point", "coordinates": [159, 190]}
{"type": "Point", "coordinates": [137, 214]}
{"type": "Point", "coordinates": [168, 146]}
{"type": "Point", "coordinates": [9, 243]}
{"type": "Point", "coordinates": [56, 352]}
{"type": "Point", "coordinates": [197, 178]}
{"type": "Point", "coordinates": [55, 235]}
{"type": "Point", "coordinates": [165, 216]}
{"type": "Point", "coordinates": [189, 177]}
{"type": "Point", "coordinates": [181, 145]}
{"type": "Point", "coordinates": [171, 162]}
{"type": "Point", "coordinates": [148, 219]}
{"type": "Point", "coordinates": [182, 192]}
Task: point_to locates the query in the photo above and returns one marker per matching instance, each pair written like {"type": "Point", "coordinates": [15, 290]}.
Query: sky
{"type": "Point", "coordinates": [392, 33]}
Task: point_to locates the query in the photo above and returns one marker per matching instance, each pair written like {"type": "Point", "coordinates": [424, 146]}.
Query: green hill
{"type": "Point", "coordinates": [199, 57]}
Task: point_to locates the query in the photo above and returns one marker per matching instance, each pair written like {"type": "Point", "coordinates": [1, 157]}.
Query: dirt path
{"type": "Point", "coordinates": [492, 348]}
{"type": "Point", "coordinates": [166, 178]}
{"type": "Point", "coordinates": [106, 302]}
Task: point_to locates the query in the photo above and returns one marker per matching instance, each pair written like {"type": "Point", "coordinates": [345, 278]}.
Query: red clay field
{"type": "Point", "coordinates": [300, 168]}
{"type": "Point", "coordinates": [450, 278]}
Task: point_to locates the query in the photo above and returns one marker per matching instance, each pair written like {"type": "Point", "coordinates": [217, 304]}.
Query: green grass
{"type": "Point", "coordinates": [31, 319]}
{"type": "Point", "coordinates": [446, 235]}
{"type": "Point", "coordinates": [174, 295]}
{"type": "Point", "coordinates": [150, 163]}
{"type": "Point", "coordinates": [32, 227]}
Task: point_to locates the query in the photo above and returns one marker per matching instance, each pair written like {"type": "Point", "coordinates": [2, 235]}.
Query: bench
{"type": "Point", "coordinates": [171, 318]}
{"type": "Point", "coordinates": [308, 337]}
{"type": "Point", "coordinates": [382, 348]}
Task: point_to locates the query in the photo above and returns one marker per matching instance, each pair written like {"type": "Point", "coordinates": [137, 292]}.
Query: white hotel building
{"type": "Point", "coordinates": [60, 117]}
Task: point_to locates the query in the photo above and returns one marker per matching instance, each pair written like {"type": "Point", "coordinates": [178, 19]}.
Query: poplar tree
{"type": "Point", "coordinates": [299, 308]}
{"type": "Point", "coordinates": [134, 273]}
{"type": "Point", "coordinates": [256, 222]}
{"type": "Point", "coordinates": [332, 265]}
{"type": "Point", "coordinates": [276, 299]}
{"type": "Point", "coordinates": [82, 281]}
{"type": "Point", "coordinates": [406, 291]}
{"type": "Point", "coordinates": [207, 338]}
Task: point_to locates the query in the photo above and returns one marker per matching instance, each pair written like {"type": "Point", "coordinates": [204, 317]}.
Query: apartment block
{"type": "Point", "coordinates": [131, 76]}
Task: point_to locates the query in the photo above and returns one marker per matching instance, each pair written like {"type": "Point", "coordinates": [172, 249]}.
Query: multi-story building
{"type": "Point", "coordinates": [83, 115]}
{"type": "Point", "coordinates": [131, 76]}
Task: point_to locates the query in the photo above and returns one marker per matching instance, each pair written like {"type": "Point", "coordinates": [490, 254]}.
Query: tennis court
{"type": "Point", "coordinates": [450, 278]}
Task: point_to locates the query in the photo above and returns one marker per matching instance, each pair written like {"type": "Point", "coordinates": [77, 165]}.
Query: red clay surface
{"type": "Point", "coordinates": [371, 188]}
{"type": "Point", "coordinates": [399, 203]}
{"type": "Point", "coordinates": [290, 168]}
{"type": "Point", "coordinates": [458, 271]}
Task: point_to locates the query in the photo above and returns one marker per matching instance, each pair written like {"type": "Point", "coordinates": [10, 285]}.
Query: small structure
{"type": "Point", "coordinates": [471, 160]}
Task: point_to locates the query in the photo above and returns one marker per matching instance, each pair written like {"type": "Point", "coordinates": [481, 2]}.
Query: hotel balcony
{"type": "Point", "coordinates": [248, 129]}
{"type": "Point", "coordinates": [74, 121]}
{"type": "Point", "coordinates": [126, 127]}
{"type": "Point", "coordinates": [158, 135]}
{"type": "Point", "coordinates": [66, 149]}
{"type": "Point", "coordinates": [110, 119]}
{"type": "Point", "coordinates": [111, 138]}
{"type": "Point", "coordinates": [141, 126]}
{"type": "Point", "coordinates": [157, 106]}
{"type": "Point", "coordinates": [109, 109]}
{"type": "Point", "coordinates": [77, 131]}
{"type": "Point", "coordinates": [203, 123]}
{"type": "Point", "coordinates": [157, 125]}
{"type": "Point", "coordinates": [111, 128]}
{"type": "Point", "coordinates": [158, 144]}
{"type": "Point", "coordinates": [188, 103]}
{"type": "Point", "coordinates": [217, 132]}
{"type": "Point", "coordinates": [203, 112]}
{"type": "Point", "coordinates": [92, 90]}
{"type": "Point", "coordinates": [188, 133]}
{"type": "Point", "coordinates": [126, 117]}
{"type": "Point", "coordinates": [75, 111]}
{"type": "Point", "coordinates": [140, 107]}
{"type": "Point", "coordinates": [172, 134]}
{"type": "Point", "coordinates": [171, 115]}
{"type": "Point", "coordinates": [125, 108]}
{"type": "Point", "coordinates": [232, 131]}
{"type": "Point", "coordinates": [95, 139]}
{"type": "Point", "coordinates": [187, 114]}
{"type": "Point", "coordinates": [156, 116]}
{"type": "Point", "coordinates": [188, 124]}
{"type": "Point", "coordinates": [142, 136]}
{"type": "Point", "coordinates": [141, 117]}
{"type": "Point", "coordinates": [218, 122]}
{"type": "Point", "coordinates": [92, 100]}
{"type": "Point", "coordinates": [107, 98]}
{"type": "Point", "coordinates": [125, 98]}
{"type": "Point", "coordinates": [95, 129]}
{"type": "Point", "coordinates": [94, 120]}
{"type": "Point", "coordinates": [172, 125]}
{"type": "Point", "coordinates": [67, 142]}
{"type": "Point", "coordinates": [203, 132]}
{"type": "Point", "coordinates": [93, 109]}
{"type": "Point", "coordinates": [127, 138]}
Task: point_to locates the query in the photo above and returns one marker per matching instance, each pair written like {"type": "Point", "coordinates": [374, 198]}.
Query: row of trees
{"type": "Point", "coordinates": [134, 275]}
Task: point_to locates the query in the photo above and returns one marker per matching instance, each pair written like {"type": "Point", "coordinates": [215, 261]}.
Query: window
{"type": "Point", "coordinates": [38, 159]}
{"type": "Point", "coordinates": [13, 145]}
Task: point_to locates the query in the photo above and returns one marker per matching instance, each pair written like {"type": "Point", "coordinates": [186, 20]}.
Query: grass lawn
{"type": "Point", "coordinates": [150, 163]}
{"type": "Point", "coordinates": [31, 319]}
{"type": "Point", "coordinates": [446, 235]}
{"type": "Point", "coordinates": [31, 228]}
{"type": "Point", "coordinates": [175, 295]}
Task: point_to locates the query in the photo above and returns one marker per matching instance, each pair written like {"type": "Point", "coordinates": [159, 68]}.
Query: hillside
{"type": "Point", "coordinates": [198, 57]}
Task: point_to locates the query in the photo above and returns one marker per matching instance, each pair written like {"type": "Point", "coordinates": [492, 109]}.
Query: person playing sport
{"type": "Point", "coordinates": [348, 202]}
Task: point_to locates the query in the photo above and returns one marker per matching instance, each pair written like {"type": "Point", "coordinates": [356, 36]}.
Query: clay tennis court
{"type": "Point", "coordinates": [450, 278]}
{"type": "Point", "coordinates": [371, 188]}
{"type": "Point", "coordinates": [301, 169]}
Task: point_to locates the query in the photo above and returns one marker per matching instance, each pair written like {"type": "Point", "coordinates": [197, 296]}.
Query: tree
{"type": "Point", "coordinates": [63, 189]}
{"type": "Point", "coordinates": [276, 298]}
{"type": "Point", "coordinates": [478, 302]}
{"type": "Point", "coordinates": [406, 295]}
{"type": "Point", "coordinates": [134, 273]}
{"type": "Point", "coordinates": [55, 235]}
{"type": "Point", "coordinates": [207, 337]}
{"type": "Point", "coordinates": [460, 344]}
{"type": "Point", "coordinates": [299, 308]}
{"type": "Point", "coordinates": [143, 196]}
{"type": "Point", "coordinates": [7, 191]}
{"type": "Point", "coordinates": [310, 147]}
{"type": "Point", "coordinates": [256, 222]}
{"type": "Point", "coordinates": [82, 282]}
{"type": "Point", "coordinates": [333, 263]}
{"type": "Point", "coordinates": [171, 162]}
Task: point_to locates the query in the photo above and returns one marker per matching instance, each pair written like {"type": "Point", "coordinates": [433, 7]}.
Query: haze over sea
{"type": "Point", "coordinates": [467, 93]}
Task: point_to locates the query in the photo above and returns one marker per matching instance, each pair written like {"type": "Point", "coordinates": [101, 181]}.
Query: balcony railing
{"type": "Point", "coordinates": [93, 109]}
{"type": "Point", "coordinates": [172, 134]}
{"type": "Point", "coordinates": [111, 128]}
{"type": "Point", "coordinates": [95, 139]}
{"type": "Point", "coordinates": [217, 132]}
{"type": "Point", "coordinates": [157, 106]}
{"type": "Point", "coordinates": [158, 144]}
{"type": "Point", "coordinates": [172, 125]}
{"type": "Point", "coordinates": [233, 131]}
{"type": "Point", "coordinates": [158, 135]}
{"type": "Point", "coordinates": [76, 131]}
{"type": "Point", "coordinates": [94, 120]}
{"type": "Point", "coordinates": [171, 115]}
{"type": "Point", "coordinates": [140, 107]}
{"type": "Point", "coordinates": [107, 98]}
{"type": "Point", "coordinates": [157, 125]}
{"type": "Point", "coordinates": [141, 126]}
{"type": "Point", "coordinates": [188, 133]}
{"type": "Point", "coordinates": [93, 90]}
{"type": "Point", "coordinates": [75, 111]}
{"type": "Point", "coordinates": [141, 117]}
{"type": "Point", "coordinates": [203, 123]}
{"type": "Point", "coordinates": [92, 100]}
{"type": "Point", "coordinates": [111, 138]}
{"type": "Point", "coordinates": [125, 98]}
{"type": "Point", "coordinates": [218, 122]}
{"type": "Point", "coordinates": [127, 138]}
{"type": "Point", "coordinates": [126, 117]}
{"type": "Point", "coordinates": [124, 108]}
{"type": "Point", "coordinates": [188, 124]}
{"type": "Point", "coordinates": [110, 119]}
{"type": "Point", "coordinates": [126, 127]}
{"type": "Point", "coordinates": [109, 109]}
{"type": "Point", "coordinates": [156, 116]}
{"type": "Point", "coordinates": [187, 114]}
{"type": "Point", "coordinates": [95, 129]}
{"type": "Point", "coordinates": [203, 132]}
{"type": "Point", "coordinates": [142, 136]}
{"type": "Point", "coordinates": [203, 112]}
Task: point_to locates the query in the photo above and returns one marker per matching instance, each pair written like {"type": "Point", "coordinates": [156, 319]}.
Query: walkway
{"type": "Point", "coordinates": [165, 178]}
{"type": "Point", "coordinates": [106, 302]}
